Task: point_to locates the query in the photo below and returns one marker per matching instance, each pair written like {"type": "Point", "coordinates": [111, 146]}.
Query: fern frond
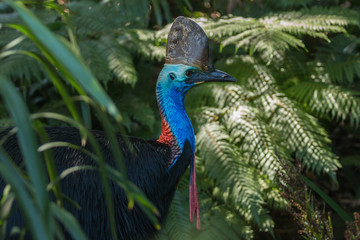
{"type": "Point", "coordinates": [18, 66]}
{"type": "Point", "coordinates": [341, 59]}
{"type": "Point", "coordinates": [117, 38]}
{"type": "Point", "coordinates": [293, 124]}
{"type": "Point", "coordinates": [279, 32]}
{"type": "Point", "coordinates": [21, 67]}
{"type": "Point", "coordinates": [288, 4]}
{"type": "Point", "coordinates": [138, 110]}
{"type": "Point", "coordinates": [83, 14]}
{"type": "Point", "coordinates": [254, 139]}
{"type": "Point", "coordinates": [251, 75]}
{"type": "Point", "coordinates": [272, 194]}
{"type": "Point", "coordinates": [297, 127]}
{"type": "Point", "coordinates": [222, 162]}
{"type": "Point", "coordinates": [144, 43]}
{"type": "Point", "coordinates": [120, 61]}
{"type": "Point", "coordinates": [222, 223]}
{"type": "Point", "coordinates": [328, 100]}
{"type": "Point", "coordinates": [231, 95]}
{"type": "Point", "coordinates": [177, 225]}
{"type": "Point", "coordinates": [218, 221]}
{"type": "Point", "coordinates": [95, 58]}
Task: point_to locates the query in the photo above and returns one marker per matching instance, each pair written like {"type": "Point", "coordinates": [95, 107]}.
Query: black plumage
{"type": "Point", "coordinates": [149, 158]}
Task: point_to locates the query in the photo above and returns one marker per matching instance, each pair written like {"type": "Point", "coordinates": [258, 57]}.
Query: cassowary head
{"type": "Point", "coordinates": [187, 58]}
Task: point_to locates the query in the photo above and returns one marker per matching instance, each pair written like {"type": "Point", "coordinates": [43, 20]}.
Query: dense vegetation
{"type": "Point", "coordinates": [276, 152]}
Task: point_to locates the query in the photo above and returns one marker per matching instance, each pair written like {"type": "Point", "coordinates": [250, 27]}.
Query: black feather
{"type": "Point", "coordinates": [146, 167]}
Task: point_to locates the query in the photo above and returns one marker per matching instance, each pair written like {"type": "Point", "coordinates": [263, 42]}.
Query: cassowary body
{"type": "Point", "coordinates": [148, 158]}
{"type": "Point", "coordinates": [154, 166]}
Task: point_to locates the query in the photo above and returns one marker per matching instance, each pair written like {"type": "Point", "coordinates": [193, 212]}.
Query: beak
{"type": "Point", "coordinates": [213, 76]}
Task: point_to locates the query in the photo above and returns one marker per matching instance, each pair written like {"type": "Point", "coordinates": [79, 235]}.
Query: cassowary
{"type": "Point", "coordinates": [155, 166]}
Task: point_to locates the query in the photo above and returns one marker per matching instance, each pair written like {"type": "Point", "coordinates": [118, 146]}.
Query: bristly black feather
{"type": "Point", "coordinates": [146, 167]}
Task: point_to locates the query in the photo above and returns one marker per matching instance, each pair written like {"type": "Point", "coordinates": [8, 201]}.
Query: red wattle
{"type": "Point", "coordinates": [166, 135]}
{"type": "Point", "coordinates": [168, 138]}
{"type": "Point", "coordinates": [193, 198]}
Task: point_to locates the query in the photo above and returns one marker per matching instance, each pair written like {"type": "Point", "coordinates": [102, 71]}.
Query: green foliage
{"type": "Point", "coordinates": [302, 205]}
{"type": "Point", "coordinates": [298, 73]}
{"type": "Point", "coordinates": [254, 124]}
{"type": "Point", "coordinates": [353, 228]}
{"type": "Point", "coordinates": [109, 44]}
{"type": "Point", "coordinates": [61, 61]}
{"type": "Point", "coordinates": [328, 100]}
{"type": "Point", "coordinates": [218, 219]}
{"type": "Point", "coordinates": [341, 59]}
{"type": "Point", "coordinates": [276, 33]}
{"type": "Point", "coordinates": [283, 116]}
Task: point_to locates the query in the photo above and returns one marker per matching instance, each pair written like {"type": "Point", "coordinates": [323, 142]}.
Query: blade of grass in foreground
{"type": "Point", "coordinates": [68, 220]}
{"type": "Point", "coordinates": [341, 212]}
{"type": "Point", "coordinates": [28, 143]}
{"type": "Point", "coordinates": [101, 164]}
{"type": "Point", "coordinates": [10, 174]}
{"type": "Point", "coordinates": [66, 58]}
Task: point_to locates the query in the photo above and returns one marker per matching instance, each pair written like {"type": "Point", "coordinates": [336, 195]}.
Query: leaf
{"type": "Point", "coordinates": [273, 34]}
{"type": "Point", "coordinates": [328, 100]}
{"type": "Point", "coordinates": [68, 61]}
{"type": "Point", "coordinates": [341, 212]}
{"type": "Point", "coordinates": [10, 174]}
{"type": "Point", "coordinates": [69, 221]}
{"type": "Point", "coordinates": [27, 141]}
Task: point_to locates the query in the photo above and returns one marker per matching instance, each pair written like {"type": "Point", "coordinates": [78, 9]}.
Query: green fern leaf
{"type": "Point", "coordinates": [297, 127]}
{"type": "Point", "coordinates": [328, 100]}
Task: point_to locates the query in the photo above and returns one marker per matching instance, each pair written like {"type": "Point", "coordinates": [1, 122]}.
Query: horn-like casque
{"type": "Point", "coordinates": [188, 44]}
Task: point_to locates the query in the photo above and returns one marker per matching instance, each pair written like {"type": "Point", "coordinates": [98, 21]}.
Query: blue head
{"type": "Point", "coordinates": [173, 83]}
{"type": "Point", "coordinates": [172, 80]}
{"type": "Point", "coordinates": [176, 79]}
{"type": "Point", "coordinates": [187, 60]}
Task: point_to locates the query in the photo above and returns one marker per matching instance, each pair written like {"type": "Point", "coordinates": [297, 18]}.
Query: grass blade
{"type": "Point", "coordinates": [11, 175]}
{"type": "Point", "coordinates": [68, 220]}
{"type": "Point", "coordinates": [27, 141]}
{"type": "Point", "coordinates": [67, 59]}
{"type": "Point", "coordinates": [341, 212]}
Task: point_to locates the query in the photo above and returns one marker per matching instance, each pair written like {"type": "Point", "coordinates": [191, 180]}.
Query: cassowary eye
{"type": "Point", "coordinates": [188, 73]}
{"type": "Point", "coordinates": [172, 76]}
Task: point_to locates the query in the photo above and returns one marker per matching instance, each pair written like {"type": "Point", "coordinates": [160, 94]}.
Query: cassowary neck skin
{"type": "Point", "coordinates": [173, 83]}
{"type": "Point", "coordinates": [176, 126]}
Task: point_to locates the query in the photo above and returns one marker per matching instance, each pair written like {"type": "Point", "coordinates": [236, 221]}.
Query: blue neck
{"type": "Point", "coordinates": [171, 89]}
{"type": "Point", "coordinates": [176, 125]}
